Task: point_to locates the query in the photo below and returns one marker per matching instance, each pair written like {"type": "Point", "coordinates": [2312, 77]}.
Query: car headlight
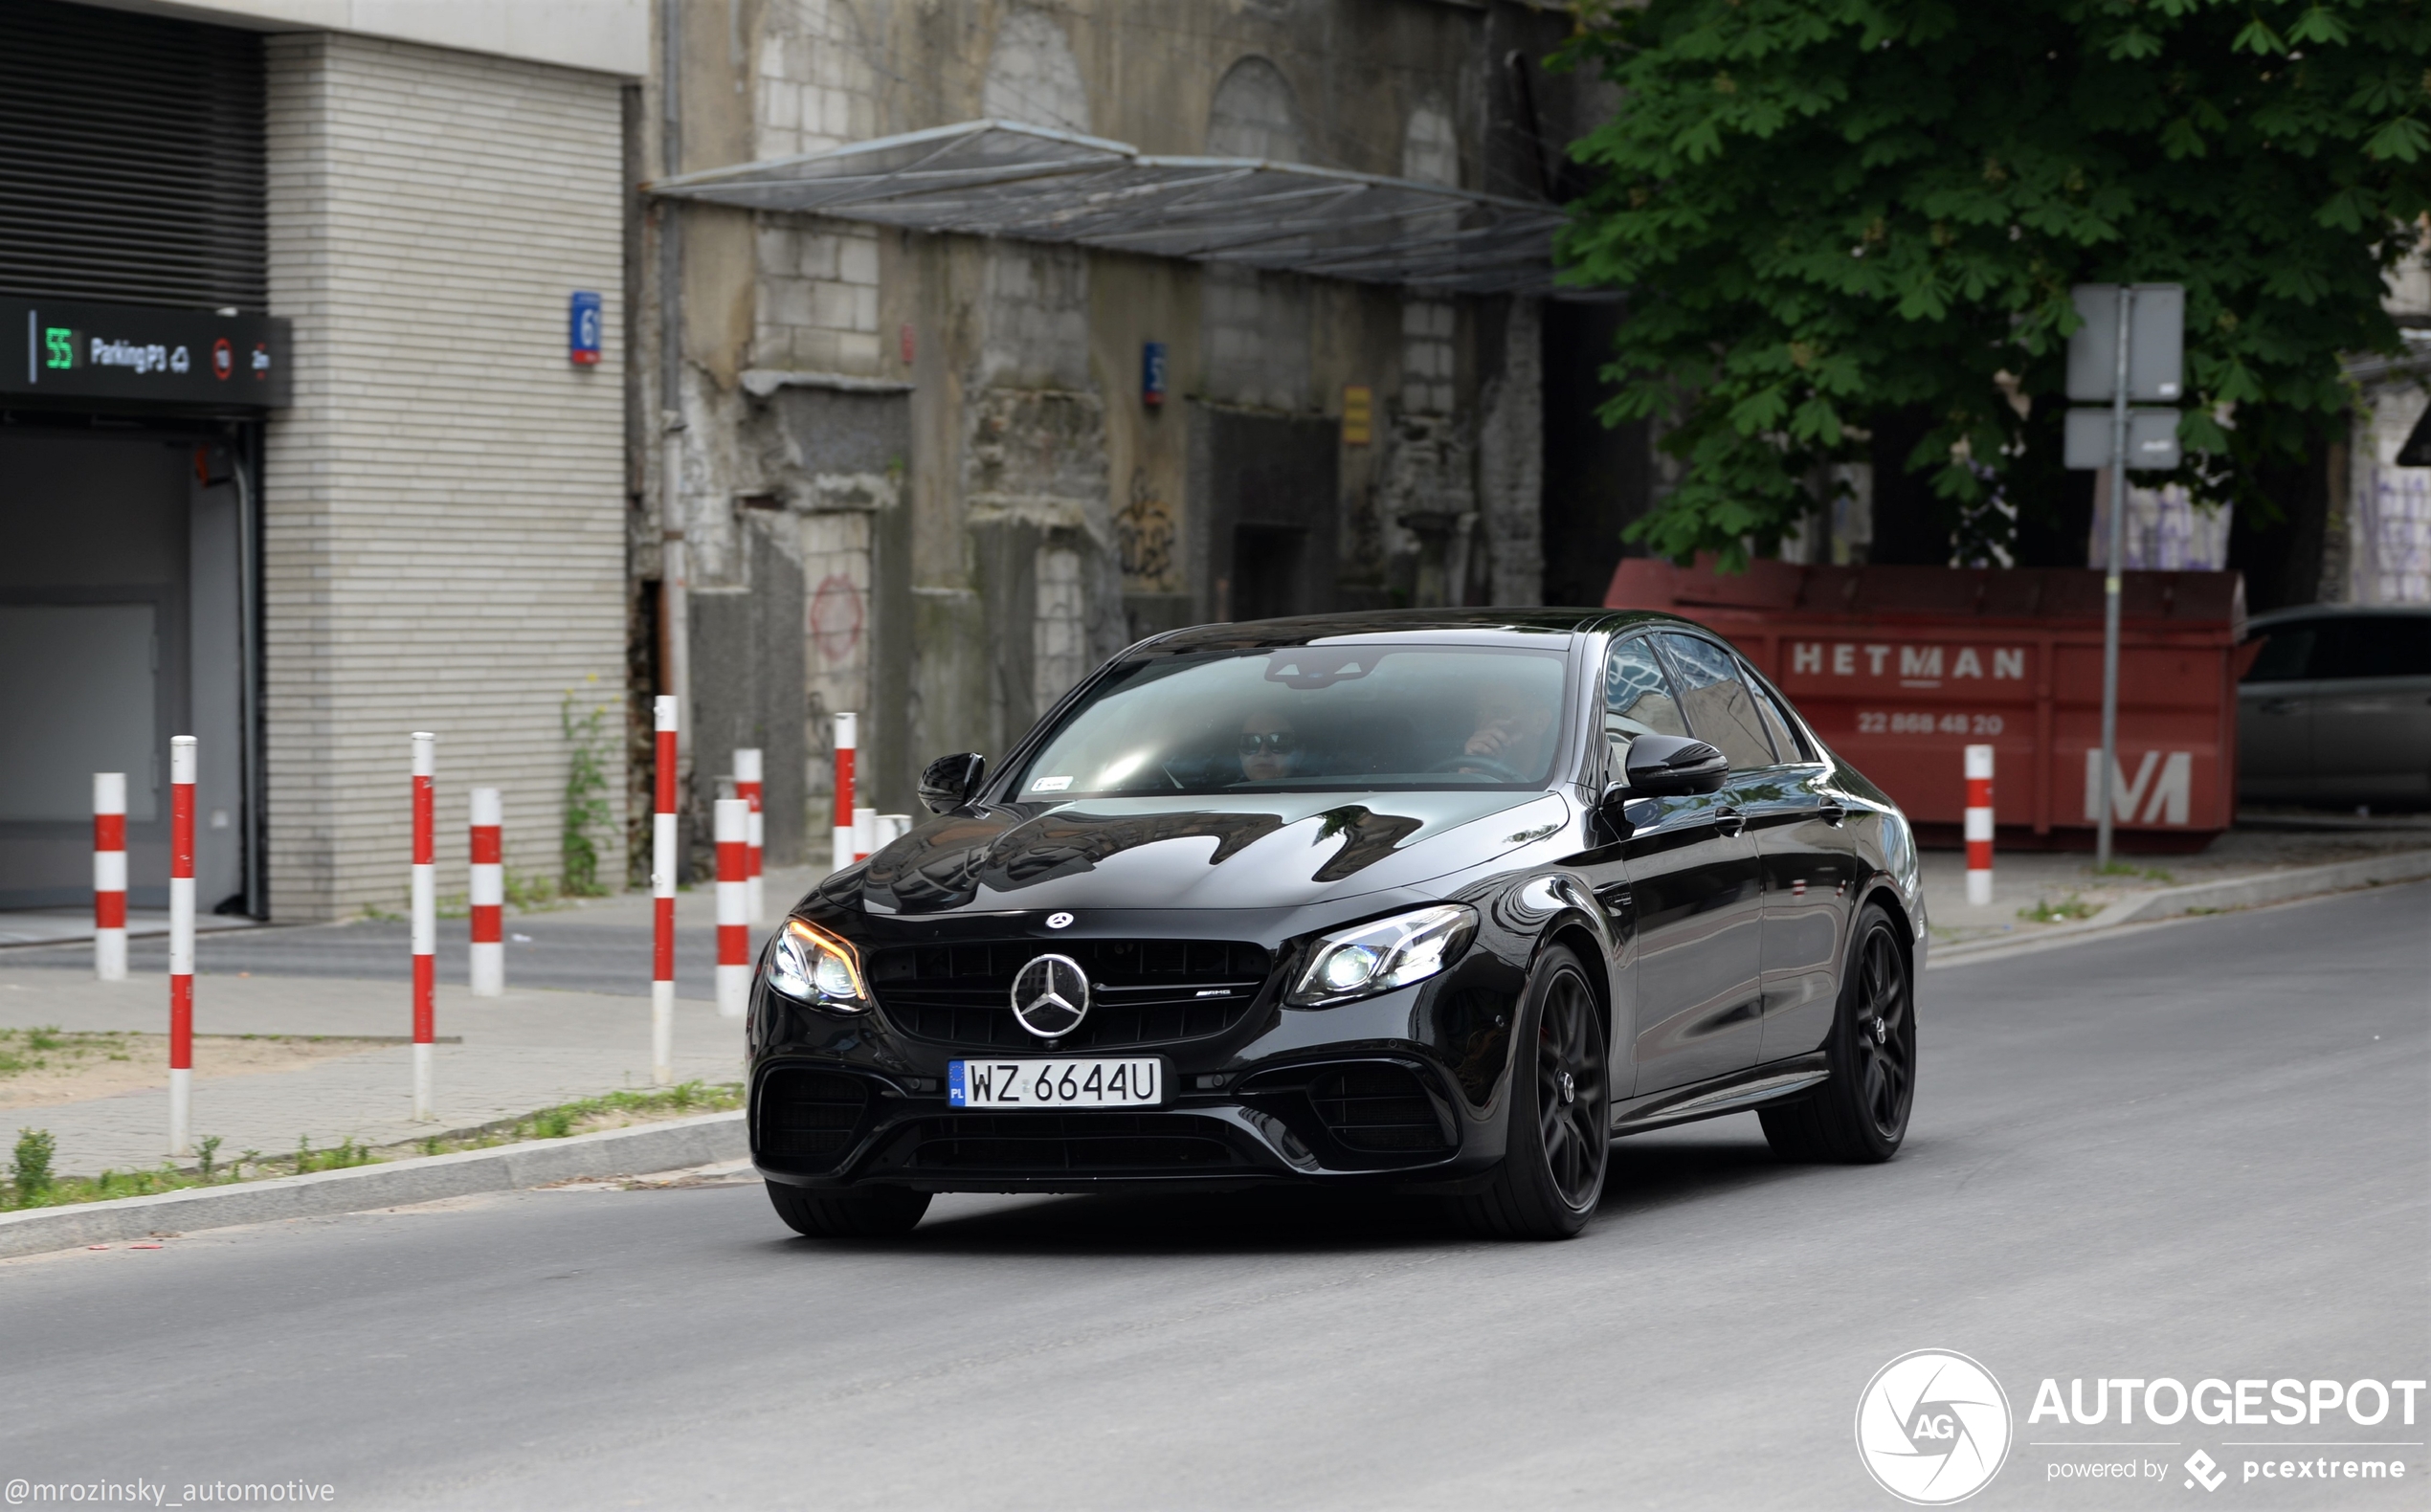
{"type": "Point", "coordinates": [1380, 956]}
{"type": "Point", "coordinates": [810, 966]}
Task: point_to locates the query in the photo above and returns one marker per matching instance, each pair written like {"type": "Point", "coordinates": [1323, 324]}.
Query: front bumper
{"type": "Point", "coordinates": [1403, 1090]}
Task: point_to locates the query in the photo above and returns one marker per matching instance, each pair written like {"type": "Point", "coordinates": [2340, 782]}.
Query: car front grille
{"type": "Point", "coordinates": [808, 1118]}
{"type": "Point", "coordinates": [1141, 991]}
{"type": "Point", "coordinates": [1378, 1109]}
{"type": "Point", "coordinates": [1070, 1144]}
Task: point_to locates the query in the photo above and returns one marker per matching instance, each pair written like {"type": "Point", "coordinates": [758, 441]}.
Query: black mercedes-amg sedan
{"type": "Point", "coordinates": [1440, 901]}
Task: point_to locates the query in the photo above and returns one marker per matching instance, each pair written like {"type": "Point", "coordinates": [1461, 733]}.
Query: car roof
{"type": "Point", "coordinates": [2280, 616]}
{"type": "Point", "coordinates": [1513, 626]}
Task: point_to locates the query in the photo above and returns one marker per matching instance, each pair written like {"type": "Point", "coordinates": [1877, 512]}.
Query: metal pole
{"type": "Point", "coordinates": [675, 569]}
{"type": "Point", "coordinates": [2110, 584]}
{"type": "Point", "coordinates": [181, 769]}
{"type": "Point", "coordinates": [424, 880]}
{"type": "Point", "coordinates": [663, 898]}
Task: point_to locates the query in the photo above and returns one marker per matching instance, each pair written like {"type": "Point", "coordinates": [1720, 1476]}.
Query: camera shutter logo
{"type": "Point", "coordinates": [1932, 1427]}
{"type": "Point", "coordinates": [1051, 996]}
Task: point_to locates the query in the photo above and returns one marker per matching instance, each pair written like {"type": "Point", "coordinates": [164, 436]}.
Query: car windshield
{"type": "Point", "coordinates": [1319, 718]}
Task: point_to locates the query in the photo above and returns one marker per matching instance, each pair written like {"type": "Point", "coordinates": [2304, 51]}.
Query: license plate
{"type": "Point", "coordinates": [1092, 1083]}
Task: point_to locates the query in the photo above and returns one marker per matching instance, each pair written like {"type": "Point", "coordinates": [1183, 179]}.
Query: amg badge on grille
{"type": "Point", "coordinates": [1051, 996]}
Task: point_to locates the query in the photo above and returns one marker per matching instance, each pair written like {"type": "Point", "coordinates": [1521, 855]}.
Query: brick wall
{"type": "Point", "coordinates": [444, 504]}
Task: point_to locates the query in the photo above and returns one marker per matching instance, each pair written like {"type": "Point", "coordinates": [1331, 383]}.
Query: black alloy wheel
{"type": "Point", "coordinates": [1559, 1131]}
{"type": "Point", "coordinates": [869, 1212]}
{"type": "Point", "coordinates": [1859, 1116]}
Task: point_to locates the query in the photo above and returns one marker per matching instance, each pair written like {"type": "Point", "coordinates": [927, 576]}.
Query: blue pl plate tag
{"type": "Point", "coordinates": [953, 1085]}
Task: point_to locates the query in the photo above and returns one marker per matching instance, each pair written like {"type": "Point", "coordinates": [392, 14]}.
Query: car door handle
{"type": "Point", "coordinates": [1730, 820]}
{"type": "Point", "coordinates": [1833, 814]}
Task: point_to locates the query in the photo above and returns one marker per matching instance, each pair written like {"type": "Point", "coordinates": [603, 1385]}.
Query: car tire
{"type": "Point", "coordinates": [1859, 1115]}
{"type": "Point", "coordinates": [868, 1213]}
{"type": "Point", "coordinates": [1558, 1137]}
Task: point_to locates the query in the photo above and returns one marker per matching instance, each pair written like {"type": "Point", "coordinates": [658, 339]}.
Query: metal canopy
{"type": "Point", "coordinates": [1001, 178]}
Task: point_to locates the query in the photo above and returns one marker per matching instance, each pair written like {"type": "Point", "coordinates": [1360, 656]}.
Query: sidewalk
{"type": "Point", "coordinates": [574, 1023]}
{"type": "Point", "coordinates": [524, 1051]}
{"type": "Point", "coordinates": [2064, 881]}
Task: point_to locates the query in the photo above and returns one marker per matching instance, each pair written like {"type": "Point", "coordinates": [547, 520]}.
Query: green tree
{"type": "Point", "coordinates": [1831, 214]}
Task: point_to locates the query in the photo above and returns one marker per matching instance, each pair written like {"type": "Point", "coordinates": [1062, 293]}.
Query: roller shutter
{"type": "Point", "coordinates": [130, 158]}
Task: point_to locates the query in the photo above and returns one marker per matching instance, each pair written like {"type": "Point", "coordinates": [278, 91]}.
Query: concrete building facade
{"type": "Point", "coordinates": [424, 528]}
{"type": "Point", "coordinates": [922, 473]}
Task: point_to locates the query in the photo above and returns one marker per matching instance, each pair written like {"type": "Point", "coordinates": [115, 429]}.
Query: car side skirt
{"type": "Point", "coordinates": [1735, 1092]}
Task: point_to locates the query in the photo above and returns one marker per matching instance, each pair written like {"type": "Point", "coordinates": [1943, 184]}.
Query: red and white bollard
{"type": "Point", "coordinates": [662, 900]}
{"type": "Point", "coordinates": [734, 925]}
{"type": "Point", "coordinates": [488, 894]}
{"type": "Point", "coordinates": [181, 945]}
{"type": "Point", "coordinates": [847, 737]}
{"type": "Point", "coordinates": [1978, 825]}
{"type": "Point", "coordinates": [426, 918]}
{"type": "Point", "coordinates": [109, 876]}
{"type": "Point", "coordinates": [747, 786]}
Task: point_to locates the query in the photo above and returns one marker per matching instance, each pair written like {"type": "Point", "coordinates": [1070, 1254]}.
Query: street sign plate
{"type": "Point", "coordinates": [2152, 440]}
{"type": "Point", "coordinates": [2156, 344]}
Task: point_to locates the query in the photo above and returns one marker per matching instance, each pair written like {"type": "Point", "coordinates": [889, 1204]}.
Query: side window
{"type": "Point", "coordinates": [2286, 651]}
{"type": "Point", "coordinates": [2371, 645]}
{"type": "Point", "coordinates": [1638, 700]}
{"type": "Point", "coordinates": [1776, 721]}
{"type": "Point", "coordinates": [1719, 707]}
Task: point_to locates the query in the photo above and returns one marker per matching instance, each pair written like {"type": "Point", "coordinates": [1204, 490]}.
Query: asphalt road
{"type": "Point", "coordinates": [2195, 1150]}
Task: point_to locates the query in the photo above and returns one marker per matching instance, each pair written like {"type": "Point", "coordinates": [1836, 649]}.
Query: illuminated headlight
{"type": "Point", "coordinates": [1380, 956]}
{"type": "Point", "coordinates": [810, 966]}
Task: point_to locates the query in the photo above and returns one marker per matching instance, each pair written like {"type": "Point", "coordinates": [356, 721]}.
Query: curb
{"type": "Point", "coordinates": [677, 1142]}
{"type": "Point", "coordinates": [2236, 892]}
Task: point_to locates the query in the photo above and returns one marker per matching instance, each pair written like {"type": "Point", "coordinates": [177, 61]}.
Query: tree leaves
{"type": "Point", "coordinates": [1826, 210]}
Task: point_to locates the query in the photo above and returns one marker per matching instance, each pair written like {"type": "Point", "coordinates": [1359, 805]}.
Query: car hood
{"type": "Point", "coordinates": [1268, 851]}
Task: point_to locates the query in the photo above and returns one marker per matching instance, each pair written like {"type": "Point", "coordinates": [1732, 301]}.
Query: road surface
{"type": "Point", "coordinates": [2192, 1150]}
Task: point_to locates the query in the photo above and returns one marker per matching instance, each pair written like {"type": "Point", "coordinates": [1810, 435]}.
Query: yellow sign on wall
{"type": "Point", "coordinates": [1358, 412]}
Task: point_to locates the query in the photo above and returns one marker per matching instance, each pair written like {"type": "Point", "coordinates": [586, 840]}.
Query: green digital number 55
{"type": "Point", "coordinates": [60, 343]}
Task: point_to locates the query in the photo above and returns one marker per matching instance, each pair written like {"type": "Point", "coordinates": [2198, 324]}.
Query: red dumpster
{"type": "Point", "coordinates": [1900, 668]}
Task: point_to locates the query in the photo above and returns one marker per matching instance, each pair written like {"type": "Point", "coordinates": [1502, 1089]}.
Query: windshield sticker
{"type": "Point", "coordinates": [1051, 784]}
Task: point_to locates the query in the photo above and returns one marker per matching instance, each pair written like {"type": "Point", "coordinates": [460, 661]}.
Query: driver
{"type": "Point", "coordinates": [1513, 731]}
{"type": "Point", "coordinates": [1269, 746]}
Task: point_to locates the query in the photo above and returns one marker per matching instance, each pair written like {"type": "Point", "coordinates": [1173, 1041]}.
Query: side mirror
{"type": "Point", "coordinates": [1674, 767]}
{"type": "Point", "coordinates": [950, 780]}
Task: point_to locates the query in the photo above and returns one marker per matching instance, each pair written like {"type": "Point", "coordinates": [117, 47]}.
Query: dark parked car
{"type": "Point", "coordinates": [1440, 901]}
{"type": "Point", "coordinates": [2336, 707]}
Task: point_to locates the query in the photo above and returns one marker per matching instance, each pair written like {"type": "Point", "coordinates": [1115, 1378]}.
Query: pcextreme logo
{"type": "Point", "coordinates": [1932, 1427]}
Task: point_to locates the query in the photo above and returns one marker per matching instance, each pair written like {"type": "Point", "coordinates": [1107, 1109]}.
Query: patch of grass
{"type": "Point", "coordinates": [38, 1048]}
{"type": "Point", "coordinates": [2045, 912]}
{"type": "Point", "coordinates": [33, 1184]}
{"type": "Point", "coordinates": [2151, 874]}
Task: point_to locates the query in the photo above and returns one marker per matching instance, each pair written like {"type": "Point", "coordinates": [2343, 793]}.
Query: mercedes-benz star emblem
{"type": "Point", "coordinates": [1059, 921]}
{"type": "Point", "coordinates": [1051, 996]}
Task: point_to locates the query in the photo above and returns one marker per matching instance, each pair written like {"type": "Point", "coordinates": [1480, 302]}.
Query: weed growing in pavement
{"type": "Point", "coordinates": [347, 1153]}
{"type": "Point", "coordinates": [586, 808]}
{"type": "Point", "coordinates": [2046, 912]}
{"type": "Point", "coordinates": [2151, 874]}
{"type": "Point", "coordinates": [206, 1161]}
{"type": "Point", "coordinates": [29, 1171]}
